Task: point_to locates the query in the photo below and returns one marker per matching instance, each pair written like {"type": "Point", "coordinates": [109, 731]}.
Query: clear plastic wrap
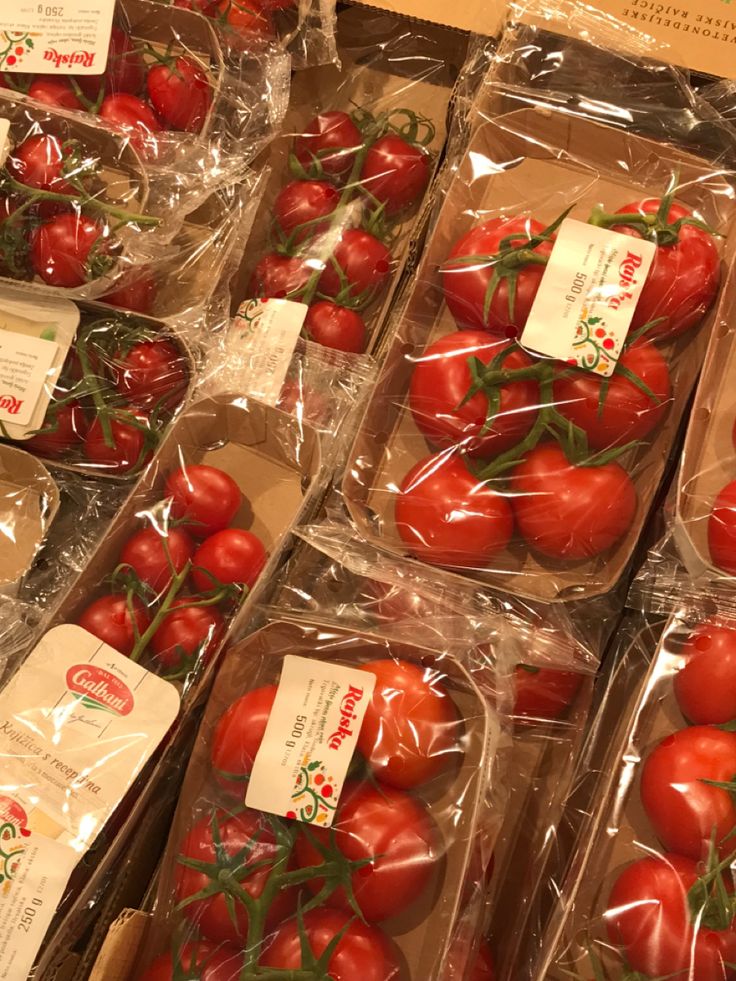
{"type": "Point", "coordinates": [530, 474]}
{"type": "Point", "coordinates": [414, 822]}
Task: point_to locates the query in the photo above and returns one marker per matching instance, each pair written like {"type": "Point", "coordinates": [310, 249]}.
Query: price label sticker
{"type": "Point", "coordinates": [261, 341]}
{"type": "Point", "coordinates": [67, 37]}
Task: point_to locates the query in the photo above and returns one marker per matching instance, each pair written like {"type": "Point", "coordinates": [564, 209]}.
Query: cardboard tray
{"type": "Point", "coordinates": [366, 78]}
{"type": "Point", "coordinates": [423, 934]}
{"type": "Point", "coordinates": [541, 162]}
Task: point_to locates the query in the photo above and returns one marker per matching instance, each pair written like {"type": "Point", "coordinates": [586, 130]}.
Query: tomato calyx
{"type": "Point", "coordinates": [711, 905]}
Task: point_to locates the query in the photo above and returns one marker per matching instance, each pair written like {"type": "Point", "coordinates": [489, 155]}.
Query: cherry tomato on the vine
{"type": "Point", "coordinates": [187, 632]}
{"type": "Point", "coordinates": [205, 497]}
{"type": "Point", "coordinates": [116, 621]}
{"type": "Point", "coordinates": [227, 557]}
{"type": "Point", "coordinates": [328, 144]}
{"type": "Point", "coordinates": [722, 529]}
{"type": "Point", "coordinates": [40, 162]}
{"type": "Point", "coordinates": [248, 16]}
{"type": "Point", "coordinates": [205, 961]}
{"type": "Point", "coordinates": [136, 291]}
{"type": "Point", "coordinates": [279, 276]}
{"type": "Point", "coordinates": [396, 173]}
{"type": "Point", "coordinates": [128, 443]}
{"type": "Point", "coordinates": [705, 687]}
{"type": "Point", "coordinates": [150, 372]}
{"type": "Point", "coordinates": [135, 119]}
{"type": "Point", "coordinates": [479, 966]}
{"type": "Point", "coordinates": [300, 206]}
{"type": "Point", "coordinates": [156, 558]}
{"type": "Point", "coordinates": [63, 428]}
{"type": "Point", "coordinates": [64, 250]}
{"type": "Point", "coordinates": [125, 72]}
{"type": "Point", "coordinates": [238, 736]}
{"type": "Point", "coordinates": [56, 92]}
{"type": "Point", "coordinates": [358, 267]}
{"type": "Point", "coordinates": [337, 327]}
{"type": "Point", "coordinates": [180, 93]}
{"type": "Point", "coordinates": [544, 693]}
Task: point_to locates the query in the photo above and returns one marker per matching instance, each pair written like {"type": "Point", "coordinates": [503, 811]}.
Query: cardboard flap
{"type": "Point", "coordinates": [29, 500]}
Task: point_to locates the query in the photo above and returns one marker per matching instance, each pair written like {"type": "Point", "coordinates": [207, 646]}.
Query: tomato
{"type": "Point", "coordinates": [479, 966]}
{"type": "Point", "coordinates": [465, 284]}
{"type": "Point", "coordinates": [205, 497]}
{"type": "Point", "coordinates": [390, 829]}
{"type": "Point", "coordinates": [337, 327]}
{"type": "Point", "coordinates": [441, 380]}
{"type": "Point", "coordinates": [544, 693]}
{"type": "Point", "coordinates": [567, 511]}
{"type": "Point", "coordinates": [279, 276]}
{"type": "Point", "coordinates": [411, 731]}
{"type": "Point", "coordinates": [40, 162]}
{"type": "Point", "coordinates": [358, 267]}
{"type": "Point", "coordinates": [248, 16]}
{"type": "Point", "coordinates": [64, 250]}
{"type": "Point", "coordinates": [628, 413]}
{"type": "Point", "coordinates": [722, 530]}
{"type": "Point", "coordinates": [187, 634]}
{"type": "Point", "coordinates": [684, 810]}
{"type": "Point", "coordinates": [180, 93]}
{"type": "Point", "coordinates": [705, 687]}
{"type": "Point", "coordinates": [136, 120]}
{"type": "Point", "coordinates": [125, 71]}
{"type": "Point", "coordinates": [201, 961]}
{"type": "Point", "coordinates": [136, 292]}
{"type": "Point", "coordinates": [395, 173]}
{"type": "Point", "coordinates": [63, 428]}
{"type": "Point", "coordinates": [329, 144]}
{"type": "Point", "coordinates": [128, 448]}
{"type": "Point", "coordinates": [229, 556]}
{"type": "Point", "coordinates": [56, 92]}
{"type": "Point", "coordinates": [151, 372]}
{"type": "Point", "coordinates": [301, 204]}
{"type": "Point", "coordinates": [247, 849]}
{"type": "Point", "coordinates": [363, 951]}
{"type": "Point", "coordinates": [238, 736]}
{"type": "Point", "coordinates": [156, 558]}
{"type": "Point", "coordinates": [684, 277]}
{"type": "Point", "coordinates": [446, 516]}
{"type": "Point", "coordinates": [391, 602]}
{"type": "Point", "coordinates": [115, 621]}
{"type": "Point", "coordinates": [650, 918]}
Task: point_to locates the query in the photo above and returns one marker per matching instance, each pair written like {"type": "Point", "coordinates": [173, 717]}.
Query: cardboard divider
{"type": "Point", "coordinates": [539, 162]}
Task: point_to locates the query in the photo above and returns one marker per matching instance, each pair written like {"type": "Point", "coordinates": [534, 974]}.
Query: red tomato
{"type": "Point", "coordinates": [722, 530]}
{"type": "Point", "coordinates": [248, 16]}
{"type": "Point", "coordinates": [64, 250]}
{"type": "Point", "coordinates": [390, 829]}
{"type": "Point", "coordinates": [157, 558]}
{"type": "Point", "coordinates": [396, 173]}
{"type": "Point", "coordinates": [411, 731]}
{"type": "Point", "coordinates": [201, 960]}
{"type": "Point", "coordinates": [442, 379]}
{"type": "Point", "coordinates": [128, 449]}
{"type": "Point", "coordinates": [357, 269]}
{"type": "Point", "coordinates": [337, 327]}
{"type": "Point", "coordinates": [395, 603]}
{"type": "Point", "coordinates": [229, 556]}
{"type": "Point", "coordinates": [628, 413]}
{"type": "Point", "coordinates": [567, 511]}
{"type": "Point", "coordinates": [279, 276]}
{"type": "Point", "coordinates": [446, 516]}
{"type": "Point", "coordinates": [478, 968]}
{"type": "Point", "coordinates": [544, 693]}
{"type": "Point", "coordinates": [39, 162]}
{"type": "Point", "coordinates": [187, 634]}
{"type": "Point", "coordinates": [238, 736]}
{"type": "Point", "coordinates": [125, 71]}
{"type": "Point", "coordinates": [466, 284]}
{"type": "Point", "coordinates": [650, 918]}
{"type": "Point", "coordinates": [113, 621]}
{"type": "Point", "coordinates": [300, 400]}
{"type": "Point", "coordinates": [135, 119]}
{"type": "Point", "coordinates": [205, 497]}
{"type": "Point", "coordinates": [151, 372]}
{"type": "Point", "coordinates": [63, 428]}
{"type": "Point", "coordinates": [136, 292]}
{"type": "Point", "coordinates": [328, 144]}
{"type": "Point", "coordinates": [705, 687]}
{"type": "Point", "coordinates": [684, 278]}
{"type": "Point", "coordinates": [56, 92]}
{"type": "Point", "coordinates": [363, 951]}
{"type": "Point", "coordinates": [180, 93]}
{"type": "Point", "coordinates": [301, 204]}
{"type": "Point", "coordinates": [684, 810]}
{"type": "Point", "coordinates": [247, 849]}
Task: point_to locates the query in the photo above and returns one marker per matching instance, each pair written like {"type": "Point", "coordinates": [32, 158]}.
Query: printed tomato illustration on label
{"type": "Point", "coordinates": [314, 794]}
{"type": "Point", "coordinates": [13, 830]}
{"type": "Point", "coordinates": [97, 688]}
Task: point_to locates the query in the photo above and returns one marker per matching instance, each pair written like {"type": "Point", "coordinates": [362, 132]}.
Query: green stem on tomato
{"type": "Point", "coordinates": [34, 194]}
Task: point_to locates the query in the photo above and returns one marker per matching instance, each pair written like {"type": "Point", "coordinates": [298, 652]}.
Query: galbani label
{"type": "Point", "coordinates": [588, 295]}
{"type": "Point", "coordinates": [100, 689]}
{"type": "Point", "coordinates": [310, 739]}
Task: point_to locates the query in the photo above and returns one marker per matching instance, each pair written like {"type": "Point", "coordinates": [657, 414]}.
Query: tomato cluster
{"type": "Point", "coordinates": [120, 385]}
{"type": "Point", "coordinates": [248, 17]}
{"type": "Point", "coordinates": [530, 447]}
{"type": "Point", "coordinates": [722, 525]}
{"type": "Point", "coordinates": [142, 93]}
{"type": "Point", "coordinates": [180, 576]}
{"type": "Point", "coordinates": [266, 892]}
{"type": "Point", "coordinates": [356, 177]}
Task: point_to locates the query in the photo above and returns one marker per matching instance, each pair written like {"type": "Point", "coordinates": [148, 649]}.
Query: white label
{"type": "Point", "coordinates": [56, 37]}
{"type": "Point", "coordinates": [4, 141]}
{"type": "Point", "coordinates": [586, 301]}
{"type": "Point", "coordinates": [35, 337]}
{"type": "Point", "coordinates": [310, 738]}
{"type": "Point", "coordinates": [78, 722]}
{"type": "Point", "coordinates": [262, 338]}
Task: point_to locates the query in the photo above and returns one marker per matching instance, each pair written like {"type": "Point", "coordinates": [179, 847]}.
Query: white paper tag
{"type": "Point", "coordinates": [35, 336]}
{"type": "Point", "coordinates": [310, 738]}
{"type": "Point", "coordinates": [262, 338]}
{"type": "Point", "coordinates": [78, 722]}
{"type": "Point", "coordinates": [60, 37]}
{"type": "Point", "coordinates": [4, 140]}
{"type": "Point", "coordinates": [586, 301]}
